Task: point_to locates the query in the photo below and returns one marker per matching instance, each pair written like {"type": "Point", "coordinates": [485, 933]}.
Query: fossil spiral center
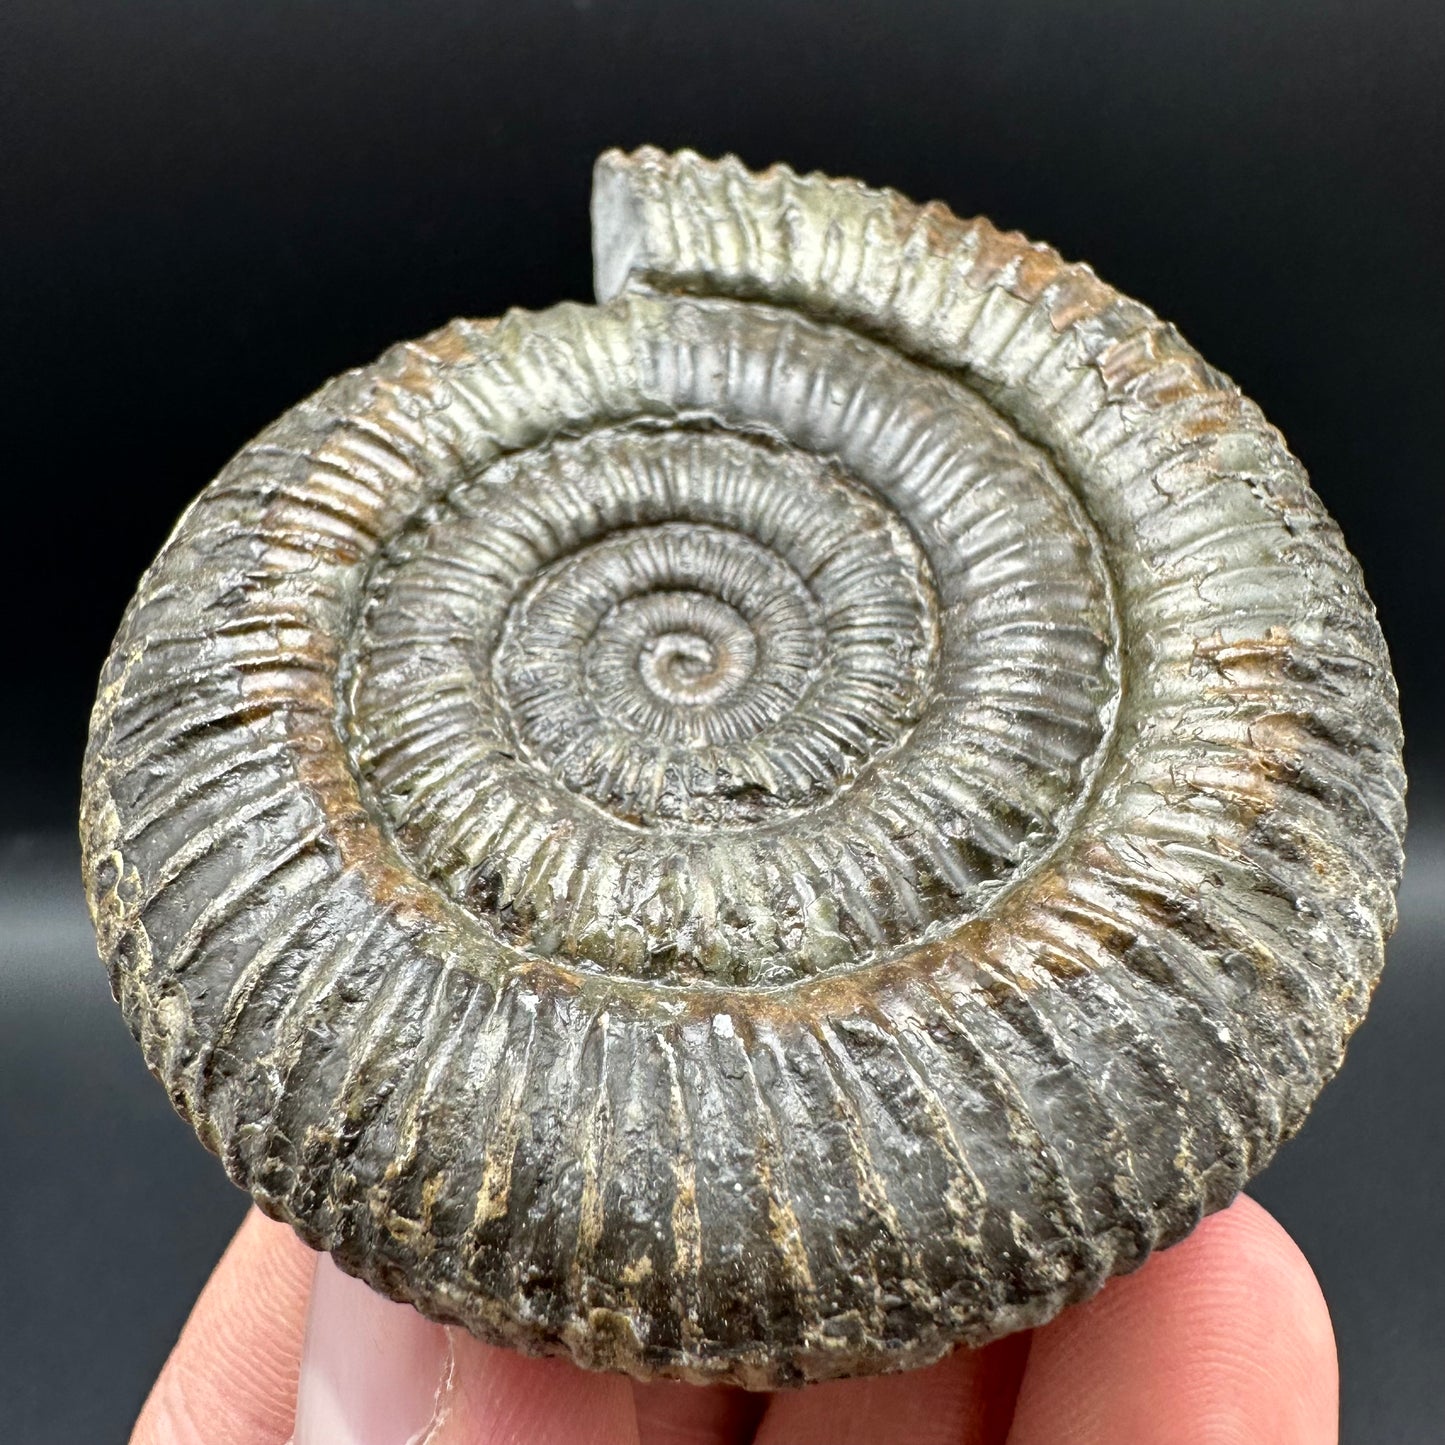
{"type": "Point", "coordinates": [694, 668]}
{"type": "Point", "coordinates": [659, 669]}
{"type": "Point", "coordinates": [682, 667]}
{"type": "Point", "coordinates": [693, 652]}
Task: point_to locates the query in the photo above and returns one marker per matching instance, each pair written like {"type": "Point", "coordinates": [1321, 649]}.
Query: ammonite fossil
{"type": "Point", "coordinates": [797, 817]}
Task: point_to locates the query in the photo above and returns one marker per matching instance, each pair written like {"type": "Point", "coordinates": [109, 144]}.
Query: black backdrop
{"type": "Point", "coordinates": [207, 208]}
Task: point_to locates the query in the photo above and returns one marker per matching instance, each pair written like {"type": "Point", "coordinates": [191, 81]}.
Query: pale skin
{"type": "Point", "coordinates": [1223, 1340]}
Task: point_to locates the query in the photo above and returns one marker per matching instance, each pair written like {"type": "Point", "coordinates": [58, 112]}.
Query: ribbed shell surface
{"type": "Point", "coordinates": [803, 815]}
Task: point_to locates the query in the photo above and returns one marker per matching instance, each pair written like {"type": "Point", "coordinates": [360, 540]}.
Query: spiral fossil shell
{"type": "Point", "coordinates": [804, 814]}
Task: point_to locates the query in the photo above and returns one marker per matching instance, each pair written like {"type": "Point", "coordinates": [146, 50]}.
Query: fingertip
{"type": "Point", "coordinates": [373, 1372]}
{"type": "Point", "coordinates": [498, 1397]}
{"type": "Point", "coordinates": [231, 1377]}
{"type": "Point", "coordinates": [669, 1413]}
{"type": "Point", "coordinates": [965, 1399]}
{"type": "Point", "coordinates": [1224, 1339]}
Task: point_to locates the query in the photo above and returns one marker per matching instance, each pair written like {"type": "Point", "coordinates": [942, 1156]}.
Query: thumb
{"type": "Point", "coordinates": [283, 1347]}
{"type": "Point", "coordinates": [374, 1372]}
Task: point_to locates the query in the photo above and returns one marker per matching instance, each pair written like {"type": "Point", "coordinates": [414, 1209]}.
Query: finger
{"type": "Point", "coordinates": [501, 1398]}
{"type": "Point", "coordinates": [966, 1399]}
{"type": "Point", "coordinates": [671, 1414]}
{"type": "Point", "coordinates": [1223, 1340]}
{"type": "Point", "coordinates": [373, 1372]}
{"type": "Point", "coordinates": [372, 1368]}
{"type": "Point", "coordinates": [231, 1378]}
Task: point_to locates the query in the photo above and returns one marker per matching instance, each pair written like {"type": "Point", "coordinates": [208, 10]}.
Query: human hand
{"type": "Point", "coordinates": [1223, 1340]}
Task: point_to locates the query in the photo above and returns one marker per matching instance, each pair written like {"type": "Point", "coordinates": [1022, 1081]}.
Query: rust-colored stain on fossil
{"type": "Point", "coordinates": [798, 817]}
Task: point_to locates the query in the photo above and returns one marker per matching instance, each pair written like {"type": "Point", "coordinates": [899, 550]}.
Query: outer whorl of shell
{"type": "Point", "coordinates": [802, 815]}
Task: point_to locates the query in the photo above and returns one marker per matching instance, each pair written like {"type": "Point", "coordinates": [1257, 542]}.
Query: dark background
{"type": "Point", "coordinates": [207, 207]}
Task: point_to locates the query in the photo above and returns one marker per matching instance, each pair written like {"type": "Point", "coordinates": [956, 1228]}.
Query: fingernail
{"type": "Point", "coordinates": [373, 1372]}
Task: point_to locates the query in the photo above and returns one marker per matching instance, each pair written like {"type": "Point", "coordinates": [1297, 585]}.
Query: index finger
{"type": "Point", "coordinates": [1225, 1338]}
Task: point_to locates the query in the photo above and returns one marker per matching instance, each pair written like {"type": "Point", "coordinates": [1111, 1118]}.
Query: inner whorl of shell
{"type": "Point", "coordinates": [803, 815]}
{"type": "Point", "coordinates": [798, 672]}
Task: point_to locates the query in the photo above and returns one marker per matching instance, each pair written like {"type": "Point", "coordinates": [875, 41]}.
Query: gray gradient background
{"type": "Point", "coordinates": [209, 206]}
